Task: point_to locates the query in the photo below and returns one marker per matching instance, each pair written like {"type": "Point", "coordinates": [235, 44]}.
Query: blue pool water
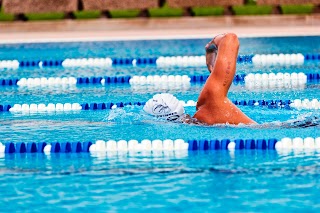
{"type": "Point", "coordinates": [196, 182]}
{"type": "Point", "coordinates": [189, 181]}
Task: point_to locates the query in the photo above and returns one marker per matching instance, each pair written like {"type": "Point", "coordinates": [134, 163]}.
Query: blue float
{"type": "Point", "coordinates": [40, 146]}
{"type": "Point", "coordinates": [250, 144]}
{"type": "Point", "coordinates": [261, 144]}
{"type": "Point", "coordinates": [272, 143]}
{"type": "Point", "coordinates": [239, 144]}
{"type": "Point", "coordinates": [76, 147]}
{"type": "Point", "coordinates": [203, 145]}
{"type": "Point", "coordinates": [102, 106]}
{"type": "Point", "coordinates": [31, 147]}
{"type": "Point", "coordinates": [93, 106]}
{"type": "Point", "coordinates": [120, 104]}
{"type": "Point", "coordinates": [86, 146]}
{"type": "Point", "coordinates": [55, 147]}
{"type": "Point", "coordinates": [9, 148]}
{"type": "Point", "coordinates": [85, 106]}
{"type": "Point", "coordinates": [225, 143]}
{"type": "Point", "coordinates": [214, 144]}
{"type": "Point", "coordinates": [243, 103]}
{"type": "Point", "coordinates": [251, 102]}
{"type": "Point", "coordinates": [65, 147]}
{"type": "Point", "coordinates": [20, 147]}
{"type": "Point", "coordinates": [193, 145]}
{"type": "Point", "coordinates": [109, 105]}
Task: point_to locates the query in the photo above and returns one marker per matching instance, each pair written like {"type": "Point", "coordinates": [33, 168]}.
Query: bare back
{"type": "Point", "coordinates": [213, 105]}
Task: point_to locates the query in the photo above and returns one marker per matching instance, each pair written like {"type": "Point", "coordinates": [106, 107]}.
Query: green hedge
{"type": "Point", "coordinates": [87, 14]}
{"type": "Point", "coordinates": [165, 11]}
{"type": "Point", "coordinates": [44, 16]}
{"type": "Point", "coordinates": [208, 11]}
{"type": "Point", "coordinates": [252, 10]}
{"type": "Point", "coordinates": [297, 9]}
{"type": "Point", "coordinates": [6, 16]}
{"type": "Point", "coordinates": [124, 13]}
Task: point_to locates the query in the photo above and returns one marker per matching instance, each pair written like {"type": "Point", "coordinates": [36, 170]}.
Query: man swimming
{"type": "Point", "coordinates": [213, 106]}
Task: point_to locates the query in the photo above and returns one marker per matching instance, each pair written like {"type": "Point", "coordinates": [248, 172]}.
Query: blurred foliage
{"type": "Point", "coordinates": [165, 11]}
{"type": "Point", "coordinates": [44, 16]}
{"type": "Point", "coordinates": [297, 9]}
{"type": "Point", "coordinates": [252, 10]}
{"type": "Point", "coordinates": [208, 11]}
{"type": "Point", "coordinates": [124, 13]}
{"type": "Point", "coordinates": [5, 16]}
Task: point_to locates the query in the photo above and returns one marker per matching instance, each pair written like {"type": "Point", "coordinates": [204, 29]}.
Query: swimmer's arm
{"type": "Point", "coordinates": [224, 67]}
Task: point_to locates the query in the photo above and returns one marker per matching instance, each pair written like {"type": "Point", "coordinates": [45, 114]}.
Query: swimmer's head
{"type": "Point", "coordinates": [165, 106]}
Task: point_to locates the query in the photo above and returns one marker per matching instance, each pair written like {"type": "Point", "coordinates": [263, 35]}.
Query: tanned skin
{"type": "Point", "coordinates": [213, 105]}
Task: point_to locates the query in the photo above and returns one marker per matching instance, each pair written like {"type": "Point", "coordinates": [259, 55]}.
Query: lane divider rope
{"type": "Point", "coordinates": [181, 61]}
{"type": "Point", "coordinates": [298, 143]}
{"type": "Point", "coordinates": [272, 79]}
{"type": "Point", "coordinates": [278, 80]}
{"type": "Point", "coordinates": [287, 104]}
{"type": "Point", "coordinates": [249, 79]}
{"type": "Point", "coordinates": [164, 79]}
{"type": "Point", "coordinates": [280, 59]}
{"type": "Point", "coordinates": [46, 81]}
{"type": "Point", "coordinates": [45, 108]}
{"type": "Point", "coordinates": [258, 59]}
{"type": "Point", "coordinates": [85, 62]}
{"type": "Point", "coordinates": [9, 64]}
{"type": "Point", "coordinates": [172, 86]}
{"type": "Point", "coordinates": [308, 143]}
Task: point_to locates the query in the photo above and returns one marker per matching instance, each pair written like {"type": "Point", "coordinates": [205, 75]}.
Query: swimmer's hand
{"type": "Point", "coordinates": [212, 51]}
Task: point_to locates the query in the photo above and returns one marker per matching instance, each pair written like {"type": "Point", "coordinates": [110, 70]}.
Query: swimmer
{"type": "Point", "coordinates": [213, 106]}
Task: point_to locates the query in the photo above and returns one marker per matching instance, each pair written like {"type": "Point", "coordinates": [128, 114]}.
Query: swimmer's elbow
{"type": "Point", "coordinates": [232, 38]}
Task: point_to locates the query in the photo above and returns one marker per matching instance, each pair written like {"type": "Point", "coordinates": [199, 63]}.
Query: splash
{"type": "Point", "coordinates": [311, 119]}
{"type": "Point", "coordinates": [125, 115]}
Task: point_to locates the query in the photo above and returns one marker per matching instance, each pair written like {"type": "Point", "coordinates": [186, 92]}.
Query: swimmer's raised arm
{"type": "Point", "coordinates": [213, 106]}
{"type": "Point", "coordinates": [223, 66]}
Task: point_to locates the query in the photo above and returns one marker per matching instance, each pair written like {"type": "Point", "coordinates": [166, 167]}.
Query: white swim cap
{"type": "Point", "coordinates": [165, 106]}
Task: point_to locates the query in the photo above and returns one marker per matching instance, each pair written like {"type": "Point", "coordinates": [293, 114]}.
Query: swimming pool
{"type": "Point", "coordinates": [173, 180]}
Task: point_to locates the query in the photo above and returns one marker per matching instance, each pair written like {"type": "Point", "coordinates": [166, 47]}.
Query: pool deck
{"type": "Point", "coordinates": [104, 29]}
